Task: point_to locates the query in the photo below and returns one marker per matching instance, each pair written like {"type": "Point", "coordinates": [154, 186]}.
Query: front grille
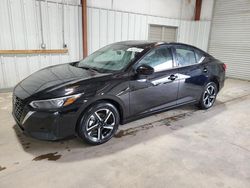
{"type": "Point", "coordinates": [18, 107]}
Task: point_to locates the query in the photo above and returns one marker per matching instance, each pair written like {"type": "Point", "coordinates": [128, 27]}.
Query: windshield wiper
{"type": "Point", "coordinates": [89, 68]}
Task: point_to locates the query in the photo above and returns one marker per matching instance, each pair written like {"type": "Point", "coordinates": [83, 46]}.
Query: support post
{"type": "Point", "coordinates": [198, 10]}
{"type": "Point", "coordinates": [84, 28]}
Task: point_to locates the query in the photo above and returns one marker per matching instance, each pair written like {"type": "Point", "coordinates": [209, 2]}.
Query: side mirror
{"type": "Point", "coordinates": [144, 70]}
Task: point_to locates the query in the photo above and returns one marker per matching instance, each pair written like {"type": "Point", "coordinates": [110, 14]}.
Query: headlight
{"type": "Point", "coordinates": [54, 103]}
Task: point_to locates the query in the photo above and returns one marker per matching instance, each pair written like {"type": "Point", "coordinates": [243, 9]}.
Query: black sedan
{"type": "Point", "coordinates": [119, 83]}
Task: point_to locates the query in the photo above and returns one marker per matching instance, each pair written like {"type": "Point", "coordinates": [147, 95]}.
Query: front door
{"type": "Point", "coordinates": [158, 90]}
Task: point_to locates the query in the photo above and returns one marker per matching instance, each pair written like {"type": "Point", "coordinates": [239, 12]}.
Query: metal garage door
{"type": "Point", "coordinates": [230, 36]}
{"type": "Point", "coordinates": [162, 33]}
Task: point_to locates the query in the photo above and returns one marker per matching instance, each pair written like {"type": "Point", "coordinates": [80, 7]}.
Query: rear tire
{"type": "Point", "coordinates": [98, 123]}
{"type": "Point", "coordinates": [208, 96]}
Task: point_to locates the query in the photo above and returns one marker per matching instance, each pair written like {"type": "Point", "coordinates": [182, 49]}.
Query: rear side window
{"type": "Point", "coordinates": [199, 56]}
{"type": "Point", "coordinates": [185, 56]}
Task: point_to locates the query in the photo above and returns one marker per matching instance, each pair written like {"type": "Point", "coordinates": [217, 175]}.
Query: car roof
{"type": "Point", "coordinates": [137, 43]}
{"type": "Point", "coordinates": [146, 43]}
{"type": "Point", "coordinates": [151, 44]}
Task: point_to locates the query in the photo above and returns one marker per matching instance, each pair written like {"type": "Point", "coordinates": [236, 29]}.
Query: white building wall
{"type": "Point", "coordinates": [207, 10]}
{"type": "Point", "coordinates": [115, 20]}
{"type": "Point", "coordinates": [177, 9]}
{"type": "Point", "coordinates": [20, 30]}
{"type": "Point", "coordinates": [108, 26]}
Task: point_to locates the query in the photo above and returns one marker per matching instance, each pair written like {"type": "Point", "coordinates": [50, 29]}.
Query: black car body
{"type": "Point", "coordinates": [135, 91]}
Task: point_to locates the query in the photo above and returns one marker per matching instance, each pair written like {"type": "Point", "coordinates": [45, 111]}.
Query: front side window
{"type": "Point", "coordinates": [185, 56]}
{"type": "Point", "coordinates": [160, 59]}
{"type": "Point", "coordinates": [113, 57]}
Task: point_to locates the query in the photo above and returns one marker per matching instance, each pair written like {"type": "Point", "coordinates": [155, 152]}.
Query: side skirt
{"type": "Point", "coordinates": [133, 118]}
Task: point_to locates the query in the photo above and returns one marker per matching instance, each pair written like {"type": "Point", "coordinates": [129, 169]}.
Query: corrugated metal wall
{"type": "Point", "coordinates": [195, 33]}
{"type": "Point", "coordinates": [108, 26]}
{"type": "Point", "coordinates": [20, 29]}
{"type": "Point", "coordinates": [230, 36]}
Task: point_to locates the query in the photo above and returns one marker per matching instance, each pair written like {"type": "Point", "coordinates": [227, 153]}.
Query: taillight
{"type": "Point", "coordinates": [224, 66]}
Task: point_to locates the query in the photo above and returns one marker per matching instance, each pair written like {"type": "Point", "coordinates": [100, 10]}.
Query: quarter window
{"type": "Point", "coordinates": [160, 59]}
{"type": "Point", "coordinates": [185, 57]}
{"type": "Point", "coordinates": [199, 56]}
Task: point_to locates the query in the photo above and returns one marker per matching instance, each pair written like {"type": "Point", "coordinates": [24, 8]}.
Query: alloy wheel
{"type": "Point", "coordinates": [209, 96]}
{"type": "Point", "coordinates": [100, 124]}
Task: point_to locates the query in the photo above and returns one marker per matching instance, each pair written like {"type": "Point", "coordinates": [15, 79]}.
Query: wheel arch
{"type": "Point", "coordinates": [112, 101]}
{"type": "Point", "coordinates": [117, 105]}
{"type": "Point", "coordinates": [216, 81]}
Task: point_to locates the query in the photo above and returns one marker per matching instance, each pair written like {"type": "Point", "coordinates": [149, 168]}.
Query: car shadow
{"type": "Point", "coordinates": [148, 128]}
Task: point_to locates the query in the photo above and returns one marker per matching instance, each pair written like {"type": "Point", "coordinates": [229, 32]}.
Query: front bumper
{"type": "Point", "coordinates": [47, 125]}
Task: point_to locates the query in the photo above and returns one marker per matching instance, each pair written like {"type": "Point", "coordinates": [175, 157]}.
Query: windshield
{"type": "Point", "coordinates": [113, 57]}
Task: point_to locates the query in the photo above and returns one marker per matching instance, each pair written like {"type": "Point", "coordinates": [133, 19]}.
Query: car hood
{"type": "Point", "coordinates": [53, 77]}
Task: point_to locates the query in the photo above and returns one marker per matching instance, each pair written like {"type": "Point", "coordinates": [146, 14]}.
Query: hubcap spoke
{"type": "Point", "coordinates": [212, 97]}
{"type": "Point", "coordinates": [207, 101]}
{"type": "Point", "coordinates": [208, 91]}
{"type": "Point", "coordinates": [97, 116]}
{"type": "Point", "coordinates": [206, 97]}
{"type": "Point", "coordinates": [212, 91]}
{"type": "Point", "coordinates": [92, 128]}
{"type": "Point", "coordinates": [107, 116]}
{"type": "Point", "coordinates": [99, 133]}
{"type": "Point", "coordinates": [108, 127]}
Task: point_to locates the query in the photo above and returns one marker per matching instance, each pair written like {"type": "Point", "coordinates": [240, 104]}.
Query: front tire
{"type": "Point", "coordinates": [208, 96]}
{"type": "Point", "coordinates": [99, 123]}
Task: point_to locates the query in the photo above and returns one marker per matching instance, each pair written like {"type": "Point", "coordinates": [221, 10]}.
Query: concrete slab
{"type": "Point", "coordinates": [184, 147]}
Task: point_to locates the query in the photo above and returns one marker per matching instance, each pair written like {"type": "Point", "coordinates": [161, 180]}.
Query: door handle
{"type": "Point", "coordinates": [205, 69]}
{"type": "Point", "coordinates": [172, 77]}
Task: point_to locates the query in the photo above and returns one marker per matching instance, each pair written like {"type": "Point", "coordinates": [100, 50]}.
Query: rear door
{"type": "Point", "coordinates": [158, 90]}
{"type": "Point", "coordinates": [192, 73]}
